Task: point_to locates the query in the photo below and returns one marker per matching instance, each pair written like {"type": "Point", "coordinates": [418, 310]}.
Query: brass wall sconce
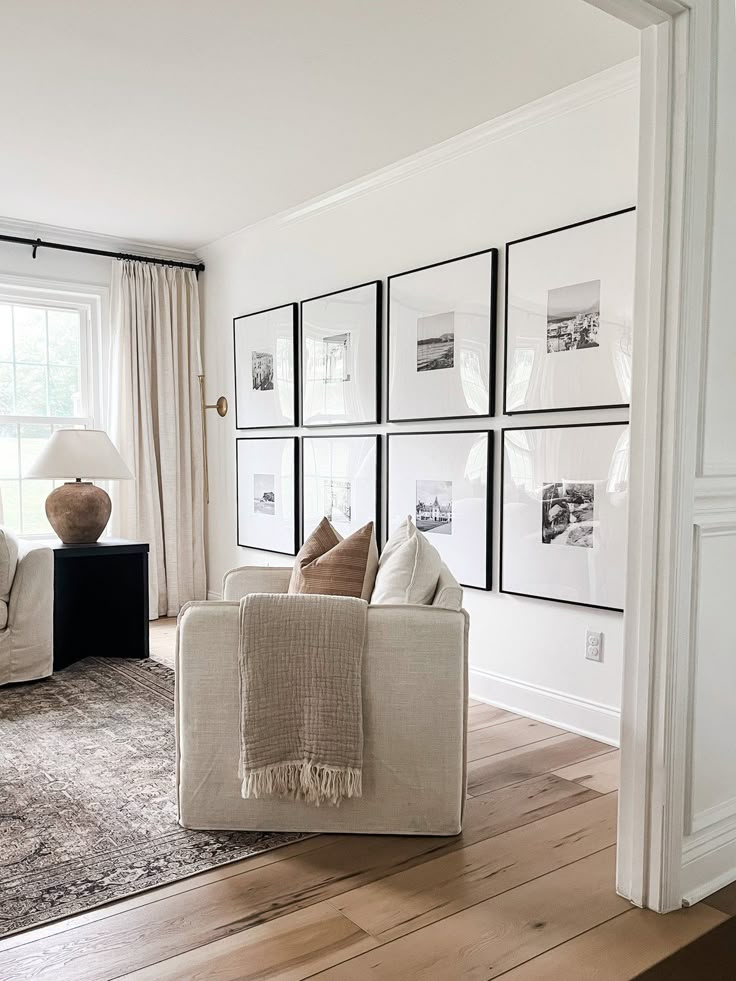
{"type": "Point", "coordinates": [221, 407]}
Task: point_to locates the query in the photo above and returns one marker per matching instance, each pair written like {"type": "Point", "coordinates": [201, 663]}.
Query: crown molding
{"type": "Point", "coordinates": [90, 240]}
{"type": "Point", "coordinates": [603, 85]}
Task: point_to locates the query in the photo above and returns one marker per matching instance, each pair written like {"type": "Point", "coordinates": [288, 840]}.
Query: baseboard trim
{"type": "Point", "coordinates": [578, 715]}
{"type": "Point", "coordinates": [706, 854]}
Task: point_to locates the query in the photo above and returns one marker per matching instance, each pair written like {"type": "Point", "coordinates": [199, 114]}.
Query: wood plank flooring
{"type": "Point", "coordinates": [526, 892]}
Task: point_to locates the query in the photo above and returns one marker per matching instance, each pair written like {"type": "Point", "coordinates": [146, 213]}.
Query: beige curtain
{"type": "Point", "coordinates": [156, 422]}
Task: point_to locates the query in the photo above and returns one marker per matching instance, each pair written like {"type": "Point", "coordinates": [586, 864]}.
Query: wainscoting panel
{"type": "Point", "coordinates": [709, 847]}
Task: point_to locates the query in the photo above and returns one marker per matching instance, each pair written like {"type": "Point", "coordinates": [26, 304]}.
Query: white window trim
{"type": "Point", "coordinates": [92, 304]}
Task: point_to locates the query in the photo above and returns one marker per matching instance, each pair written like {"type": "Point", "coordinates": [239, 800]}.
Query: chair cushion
{"type": "Point", "coordinates": [332, 565]}
{"type": "Point", "coordinates": [3, 614]}
{"type": "Point", "coordinates": [409, 568]}
{"type": "Point", "coordinates": [8, 562]}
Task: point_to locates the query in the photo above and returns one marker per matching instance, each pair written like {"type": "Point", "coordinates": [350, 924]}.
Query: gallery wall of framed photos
{"type": "Point", "coordinates": [563, 491]}
{"type": "Point", "coordinates": [328, 372]}
{"type": "Point", "coordinates": [520, 646]}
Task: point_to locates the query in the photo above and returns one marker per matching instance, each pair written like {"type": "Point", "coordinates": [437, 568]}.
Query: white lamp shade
{"type": "Point", "coordinates": [77, 453]}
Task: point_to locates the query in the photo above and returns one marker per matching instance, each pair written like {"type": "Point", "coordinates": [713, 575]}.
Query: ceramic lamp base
{"type": "Point", "coordinates": [78, 512]}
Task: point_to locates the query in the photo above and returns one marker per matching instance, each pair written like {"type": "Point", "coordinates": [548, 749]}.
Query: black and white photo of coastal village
{"type": "Point", "coordinates": [573, 317]}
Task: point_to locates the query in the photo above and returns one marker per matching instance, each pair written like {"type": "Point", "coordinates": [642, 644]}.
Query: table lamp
{"type": "Point", "coordinates": [79, 511]}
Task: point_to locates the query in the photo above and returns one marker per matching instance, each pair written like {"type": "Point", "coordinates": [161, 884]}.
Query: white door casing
{"type": "Point", "coordinates": [670, 852]}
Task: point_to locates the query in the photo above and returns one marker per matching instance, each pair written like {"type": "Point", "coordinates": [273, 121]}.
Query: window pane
{"type": "Point", "coordinates": [6, 333]}
{"type": "Point", "coordinates": [30, 396]}
{"type": "Point", "coordinates": [9, 451]}
{"type": "Point", "coordinates": [10, 504]}
{"type": "Point", "coordinates": [6, 389]}
{"type": "Point", "coordinates": [35, 493]}
{"type": "Point", "coordinates": [30, 334]}
{"type": "Point", "coordinates": [64, 395]}
{"type": "Point", "coordinates": [40, 375]}
{"type": "Point", "coordinates": [32, 441]}
{"type": "Point", "coordinates": [64, 337]}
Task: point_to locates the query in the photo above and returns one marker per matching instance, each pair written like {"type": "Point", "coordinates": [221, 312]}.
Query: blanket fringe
{"type": "Point", "coordinates": [312, 782]}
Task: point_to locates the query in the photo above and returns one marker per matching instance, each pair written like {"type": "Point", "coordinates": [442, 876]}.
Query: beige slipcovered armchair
{"type": "Point", "coordinates": [26, 610]}
{"type": "Point", "coordinates": [414, 719]}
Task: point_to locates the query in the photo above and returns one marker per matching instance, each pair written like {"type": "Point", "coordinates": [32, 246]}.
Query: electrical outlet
{"type": "Point", "coordinates": [594, 645]}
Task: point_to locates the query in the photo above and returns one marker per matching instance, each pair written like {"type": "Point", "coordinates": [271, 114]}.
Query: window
{"type": "Point", "coordinates": [45, 384]}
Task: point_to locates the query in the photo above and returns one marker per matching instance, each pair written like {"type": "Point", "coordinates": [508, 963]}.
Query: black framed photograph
{"type": "Point", "coordinates": [267, 470]}
{"type": "Point", "coordinates": [564, 508]}
{"type": "Point", "coordinates": [443, 481]}
{"type": "Point", "coordinates": [569, 316]}
{"type": "Point", "coordinates": [441, 339]}
{"type": "Point", "coordinates": [265, 368]}
{"type": "Point", "coordinates": [341, 480]}
{"type": "Point", "coordinates": [341, 357]}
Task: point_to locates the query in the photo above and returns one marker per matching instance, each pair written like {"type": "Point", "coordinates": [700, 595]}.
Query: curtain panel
{"type": "Point", "coordinates": [156, 422]}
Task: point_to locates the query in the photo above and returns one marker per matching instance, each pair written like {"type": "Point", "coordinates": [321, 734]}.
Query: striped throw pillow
{"type": "Point", "coordinates": [332, 565]}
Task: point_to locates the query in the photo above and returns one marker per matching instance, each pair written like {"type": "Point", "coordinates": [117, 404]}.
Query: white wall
{"type": "Point", "coordinates": [569, 157]}
{"type": "Point", "coordinates": [64, 267]}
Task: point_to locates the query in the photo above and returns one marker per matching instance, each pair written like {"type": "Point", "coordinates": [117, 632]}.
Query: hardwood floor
{"type": "Point", "coordinates": [526, 892]}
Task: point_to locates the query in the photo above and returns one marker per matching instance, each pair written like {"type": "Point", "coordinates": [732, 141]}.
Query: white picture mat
{"type": "Point", "coordinates": [533, 457]}
{"type": "Point", "coordinates": [463, 287]}
{"type": "Point", "coordinates": [275, 532]}
{"type": "Point", "coordinates": [536, 380]}
{"type": "Point", "coordinates": [461, 458]}
{"type": "Point", "coordinates": [271, 332]}
{"type": "Point", "coordinates": [342, 458]}
{"type": "Point", "coordinates": [354, 312]}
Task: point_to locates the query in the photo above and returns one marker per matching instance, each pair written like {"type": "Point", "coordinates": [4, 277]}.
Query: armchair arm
{"type": "Point", "coordinates": [31, 617]}
{"type": "Point", "coordinates": [32, 592]}
{"type": "Point", "coordinates": [255, 579]}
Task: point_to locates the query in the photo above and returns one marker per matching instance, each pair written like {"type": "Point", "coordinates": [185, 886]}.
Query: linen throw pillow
{"type": "Point", "coordinates": [409, 568]}
{"type": "Point", "coordinates": [332, 565]}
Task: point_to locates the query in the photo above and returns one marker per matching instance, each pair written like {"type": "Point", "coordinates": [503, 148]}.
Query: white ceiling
{"type": "Point", "coordinates": [179, 121]}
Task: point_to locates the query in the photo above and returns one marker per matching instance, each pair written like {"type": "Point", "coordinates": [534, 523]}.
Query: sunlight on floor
{"type": "Point", "coordinates": [163, 639]}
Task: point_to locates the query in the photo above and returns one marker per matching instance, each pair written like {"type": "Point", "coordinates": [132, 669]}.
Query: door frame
{"type": "Point", "coordinates": [674, 234]}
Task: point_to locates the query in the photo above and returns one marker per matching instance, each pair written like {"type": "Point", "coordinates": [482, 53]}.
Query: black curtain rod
{"type": "Point", "coordinates": [37, 243]}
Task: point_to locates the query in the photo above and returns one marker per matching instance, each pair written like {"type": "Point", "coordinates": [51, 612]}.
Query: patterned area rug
{"type": "Point", "coordinates": [87, 794]}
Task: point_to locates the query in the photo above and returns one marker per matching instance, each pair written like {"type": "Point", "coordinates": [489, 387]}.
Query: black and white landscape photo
{"type": "Point", "coordinates": [434, 506]}
{"type": "Point", "coordinates": [262, 368]}
{"type": "Point", "coordinates": [436, 342]}
{"type": "Point", "coordinates": [567, 513]}
{"type": "Point", "coordinates": [338, 508]}
{"type": "Point", "coordinates": [573, 317]}
{"type": "Point", "coordinates": [264, 496]}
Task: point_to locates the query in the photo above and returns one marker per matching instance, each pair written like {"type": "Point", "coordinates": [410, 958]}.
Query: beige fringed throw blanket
{"type": "Point", "coordinates": [301, 724]}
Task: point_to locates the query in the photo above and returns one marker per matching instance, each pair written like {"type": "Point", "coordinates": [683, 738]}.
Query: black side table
{"type": "Point", "coordinates": [100, 600]}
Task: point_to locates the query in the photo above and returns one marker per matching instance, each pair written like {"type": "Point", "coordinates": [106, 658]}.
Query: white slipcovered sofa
{"type": "Point", "coordinates": [26, 610]}
{"type": "Point", "coordinates": [414, 719]}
